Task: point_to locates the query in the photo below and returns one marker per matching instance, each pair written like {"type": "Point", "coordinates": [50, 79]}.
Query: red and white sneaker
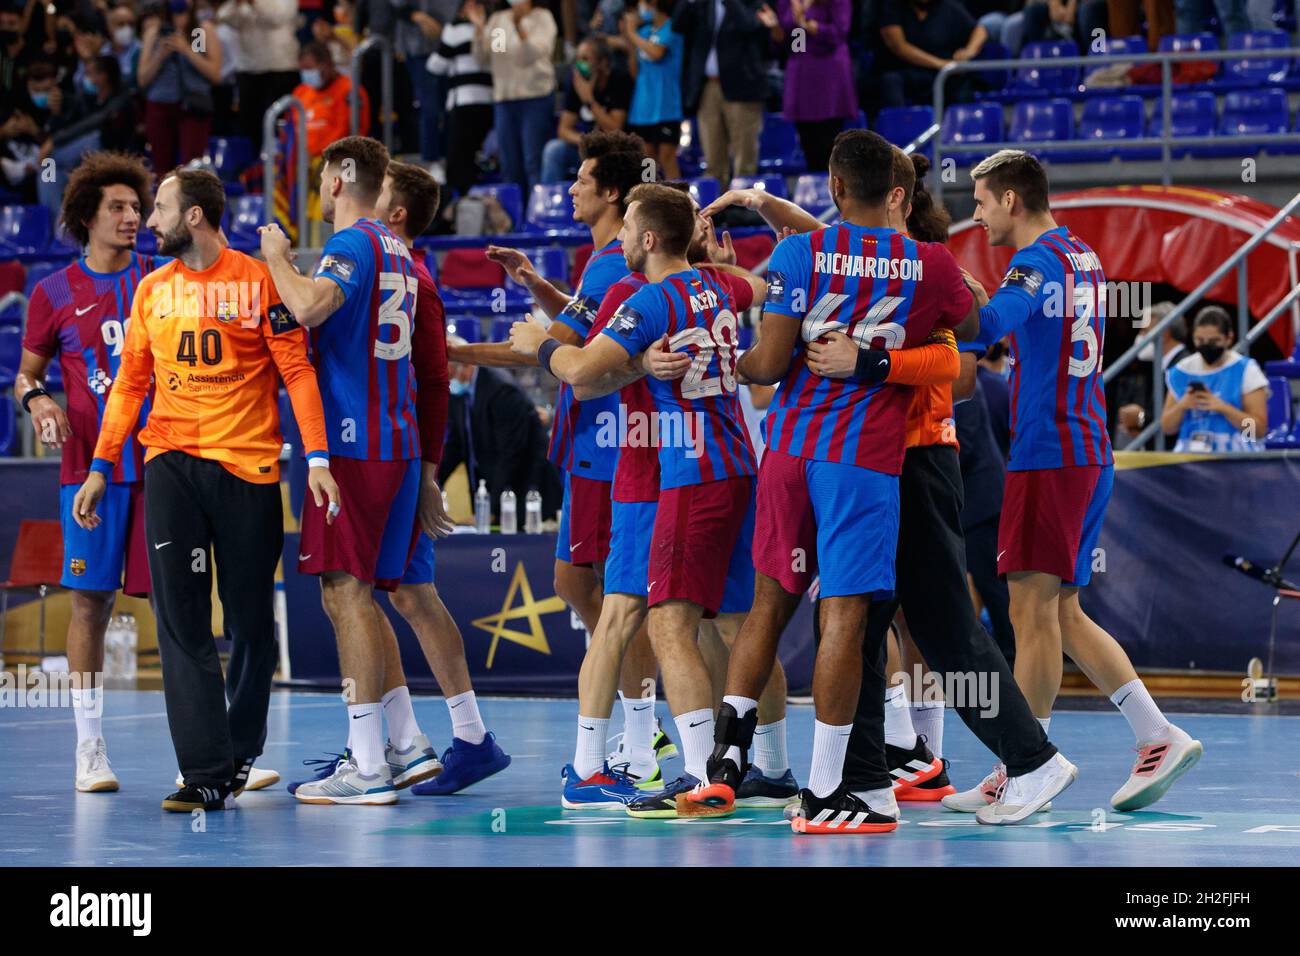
{"type": "Point", "coordinates": [985, 793]}
{"type": "Point", "coordinates": [1159, 764]}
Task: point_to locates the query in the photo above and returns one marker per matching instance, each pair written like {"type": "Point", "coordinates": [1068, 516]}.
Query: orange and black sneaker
{"type": "Point", "coordinates": [843, 812]}
{"type": "Point", "coordinates": [717, 796]}
{"type": "Point", "coordinates": [911, 768]}
{"type": "Point", "coordinates": [932, 790]}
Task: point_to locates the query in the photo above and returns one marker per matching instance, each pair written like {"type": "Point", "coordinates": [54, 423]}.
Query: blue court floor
{"type": "Point", "coordinates": [1240, 806]}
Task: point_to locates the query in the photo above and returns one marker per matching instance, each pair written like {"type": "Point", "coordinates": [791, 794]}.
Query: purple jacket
{"type": "Point", "coordinates": [819, 81]}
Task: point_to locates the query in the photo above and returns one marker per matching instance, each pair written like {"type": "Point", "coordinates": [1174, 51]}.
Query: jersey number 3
{"type": "Point", "coordinates": [391, 312]}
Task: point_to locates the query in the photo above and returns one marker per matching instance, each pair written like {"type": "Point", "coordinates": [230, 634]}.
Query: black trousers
{"type": "Point", "coordinates": [982, 562]}
{"type": "Point", "coordinates": [467, 128]}
{"type": "Point", "coordinates": [196, 510]}
{"type": "Point", "coordinates": [257, 93]}
{"type": "Point", "coordinates": [931, 588]}
{"type": "Point", "coordinates": [817, 139]}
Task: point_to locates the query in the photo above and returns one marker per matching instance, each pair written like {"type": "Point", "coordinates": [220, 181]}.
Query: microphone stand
{"type": "Point", "coordinates": [1279, 592]}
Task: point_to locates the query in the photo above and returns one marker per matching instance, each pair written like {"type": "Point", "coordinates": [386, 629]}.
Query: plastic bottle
{"type": "Point", "coordinates": [130, 646]}
{"type": "Point", "coordinates": [509, 513]}
{"type": "Point", "coordinates": [482, 508]}
{"type": "Point", "coordinates": [533, 512]}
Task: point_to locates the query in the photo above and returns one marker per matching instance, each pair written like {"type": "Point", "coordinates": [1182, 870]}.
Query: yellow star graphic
{"type": "Point", "coordinates": [535, 637]}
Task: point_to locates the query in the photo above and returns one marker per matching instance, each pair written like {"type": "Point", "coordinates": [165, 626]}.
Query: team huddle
{"type": "Point", "coordinates": [684, 554]}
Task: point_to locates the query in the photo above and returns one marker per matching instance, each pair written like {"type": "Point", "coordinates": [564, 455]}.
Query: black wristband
{"type": "Point", "coordinates": [545, 351]}
{"type": "Point", "coordinates": [34, 393]}
{"type": "Point", "coordinates": [872, 366]}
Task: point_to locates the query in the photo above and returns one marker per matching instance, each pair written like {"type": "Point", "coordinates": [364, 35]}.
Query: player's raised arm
{"type": "Point", "coordinates": [776, 212]}
{"type": "Point", "coordinates": [503, 355]}
{"type": "Point", "coordinates": [311, 299]}
{"type": "Point", "coordinates": [585, 365]}
{"type": "Point", "coordinates": [520, 269]}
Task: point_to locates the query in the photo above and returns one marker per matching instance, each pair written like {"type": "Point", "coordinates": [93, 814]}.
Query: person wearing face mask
{"type": "Point", "coordinates": [125, 42]}
{"type": "Point", "coordinates": [1218, 398]}
{"type": "Point", "coordinates": [597, 99]}
{"type": "Point", "coordinates": [1133, 390]}
{"type": "Point", "coordinates": [325, 94]}
{"type": "Point", "coordinates": [180, 62]}
{"type": "Point", "coordinates": [655, 52]}
{"type": "Point", "coordinates": [15, 54]}
{"type": "Point", "coordinates": [920, 37]}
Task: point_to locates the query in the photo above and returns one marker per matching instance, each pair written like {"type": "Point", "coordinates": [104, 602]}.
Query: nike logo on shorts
{"type": "Point", "coordinates": [303, 557]}
{"type": "Point", "coordinates": [575, 547]}
{"type": "Point", "coordinates": [1000, 553]}
{"type": "Point", "coordinates": [159, 547]}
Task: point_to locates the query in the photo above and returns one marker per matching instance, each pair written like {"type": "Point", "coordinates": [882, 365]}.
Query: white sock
{"type": "Point", "coordinates": [465, 720]}
{"type": "Point", "coordinates": [770, 755]}
{"type": "Point", "coordinates": [88, 712]}
{"type": "Point", "coordinates": [1135, 703]}
{"type": "Point", "coordinates": [589, 754]}
{"type": "Point", "coordinates": [402, 726]}
{"type": "Point", "coordinates": [882, 801]}
{"type": "Point", "coordinates": [696, 729]}
{"type": "Point", "coordinates": [638, 729]}
{"type": "Point", "coordinates": [1044, 722]}
{"type": "Point", "coordinates": [898, 719]}
{"type": "Point", "coordinates": [928, 721]}
{"type": "Point", "coordinates": [830, 743]}
{"type": "Point", "coordinates": [367, 738]}
{"type": "Point", "coordinates": [744, 706]}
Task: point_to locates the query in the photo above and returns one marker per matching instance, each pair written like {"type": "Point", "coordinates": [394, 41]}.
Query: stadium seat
{"type": "Point", "coordinates": [54, 375]}
{"type": "Point", "coordinates": [1120, 46]}
{"type": "Point", "coordinates": [1191, 42]}
{"type": "Point", "coordinates": [247, 213]}
{"type": "Point", "coordinates": [778, 146]}
{"type": "Point", "coordinates": [967, 125]}
{"type": "Point", "coordinates": [550, 210]}
{"type": "Point", "coordinates": [467, 327]}
{"type": "Point", "coordinates": [508, 195]}
{"type": "Point", "coordinates": [1250, 112]}
{"type": "Point", "coordinates": [229, 156]}
{"type": "Point", "coordinates": [1037, 77]}
{"type": "Point", "coordinates": [1281, 418]}
{"type": "Point", "coordinates": [1190, 114]}
{"type": "Point", "coordinates": [11, 316]}
{"type": "Point", "coordinates": [25, 231]}
{"type": "Point", "coordinates": [1114, 118]}
{"type": "Point", "coordinates": [705, 189]}
{"type": "Point", "coordinates": [1042, 121]}
{"type": "Point", "coordinates": [857, 122]}
{"type": "Point", "coordinates": [146, 243]}
{"type": "Point", "coordinates": [994, 79]}
{"type": "Point", "coordinates": [1288, 367]}
{"type": "Point", "coordinates": [8, 425]}
{"type": "Point", "coordinates": [38, 271]}
{"type": "Point", "coordinates": [1257, 72]}
{"type": "Point", "coordinates": [775, 185]}
{"type": "Point", "coordinates": [812, 193]}
{"type": "Point", "coordinates": [11, 354]}
{"type": "Point", "coordinates": [901, 125]}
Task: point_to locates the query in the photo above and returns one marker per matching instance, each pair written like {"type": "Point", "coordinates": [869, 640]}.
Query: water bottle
{"type": "Point", "coordinates": [446, 505]}
{"type": "Point", "coordinates": [509, 514]}
{"type": "Point", "coordinates": [113, 635]}
{"type": "Point", "coordinates": [482, 508]}
{"type": "Point", "coordinates": [130, 646]}
{"type": "Point", "coordinates": [533, 512]}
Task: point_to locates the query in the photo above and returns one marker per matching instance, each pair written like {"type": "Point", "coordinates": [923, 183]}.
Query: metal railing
{"type": "Point", "coordinates": [1245, 337]}
{"type": "Point", "coordinates": [385, 89]}
{"type": "Point", "coordinates": [271, 152]}
{"type": "Point", "coordinates": [1165, 141]}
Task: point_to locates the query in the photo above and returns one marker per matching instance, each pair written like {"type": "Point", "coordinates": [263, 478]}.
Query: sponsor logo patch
{"type": "Point", "coordinates": [1029, 279]}
{"type": "Point", "coordinates": [336, 265]}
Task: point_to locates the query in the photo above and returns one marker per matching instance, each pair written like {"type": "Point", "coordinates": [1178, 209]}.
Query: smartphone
{"type": "Point", "coordinates": [1196, 387]}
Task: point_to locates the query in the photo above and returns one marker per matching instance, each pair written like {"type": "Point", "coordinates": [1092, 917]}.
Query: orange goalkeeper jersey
{"type": "Point", "coordinates": [213, 342]}
{"type": "Point", "coordinates": [932, 368]}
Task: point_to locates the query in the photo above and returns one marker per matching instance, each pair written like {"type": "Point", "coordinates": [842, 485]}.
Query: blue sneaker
{"type": "Point", "coordinates": [464, 764]}
{"type": "Point", "coordinates": [664, 803]}
{"type": "Point", "coordinates": [757, 790]}
{"type": "Point", "coordinates": [609, 787]}
{"type": "Point", "coordinates": [324, 768]}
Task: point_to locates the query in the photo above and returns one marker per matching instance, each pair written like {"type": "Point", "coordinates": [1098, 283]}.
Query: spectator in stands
{"type": "Point", "coordinates": [469, 97]}
{"type": "Point", "coordinates": [225, 120]}
{"type": "Point", "coordinates": [655, 63]}
{"type": "Point", "coordinates": [992, 373]}
{"type": "Point", "coordinates": [337, 34]}
{"type": "Point", "coordinates": [125, 40]}
{"type": "Point", "coordinates": [1193, 16]}
{"type": "Point", "coordinates": [22, 131]}
{"type": "Point", "coordinates": [326, 96]}
{"type": "Point", "coordinates": [922, 36]}
{"type": "Point", "coordinates": [415, 37]}
{"type": "Point", "coordinates": [517, 44]}
{"type": "Point", "coordinates": [1125, 19]}
{"type": "Point", "coordinates": [1218, 398]}
{"type": "Point", "coordinates": [598, 98]}
{"type": "Point", "coordinates": [493, 428]}
{"type": "Point", "coordinates": [89, 39]}
{"type": "Point", "coordinates": [819, 94]}
{"type": "Point", "coordinates": [724, 81]}
{"type": "Point", "coordinates": [15, 55]}
{"type": "Point", "coordinates": [1074, 20]}
{"type": "Point", "coordinates": [1133, 391]}
{"type": "Point", "coordinates": [177, 70]}
{"type": "Point", "coordinates": [267, 67]}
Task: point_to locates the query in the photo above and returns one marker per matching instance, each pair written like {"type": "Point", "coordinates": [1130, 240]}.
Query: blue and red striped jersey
{"type": "Point", "coordinates": [79, 317]}
{"type": "Point", "coordinates": [1052, 304]}
{"type": "Point", "coordinates": [362, 352]}
{"type": "Point", "coordinates": [882, 289]}
{"type": "Point", "coordinates": [699, 426]}
{"type": "Point", "coordinates": [574, 429]}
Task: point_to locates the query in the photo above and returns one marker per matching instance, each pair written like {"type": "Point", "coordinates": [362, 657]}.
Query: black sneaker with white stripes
{"type": "Point", "coordinates": [192, 797]}
{"type": "Point", "coordinates": [240, 780]}
{"type": "Point", "coordinates": [911, 768]}
{"type": "Point", "coordinates": [843, 812]}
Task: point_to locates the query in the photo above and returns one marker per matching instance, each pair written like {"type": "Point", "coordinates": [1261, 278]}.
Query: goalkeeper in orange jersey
{"type": "Point", "coordinates": [211, 330]}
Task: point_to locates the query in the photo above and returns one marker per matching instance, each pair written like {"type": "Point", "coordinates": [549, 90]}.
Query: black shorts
{"type": "Point", "coordinates": [657, 134]}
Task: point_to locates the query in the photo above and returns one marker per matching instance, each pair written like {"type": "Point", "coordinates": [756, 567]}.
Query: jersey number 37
{"type": "Point", "coordinates": [392, 311]}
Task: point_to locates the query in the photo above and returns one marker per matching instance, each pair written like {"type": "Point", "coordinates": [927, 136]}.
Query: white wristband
{"type": "Point", "coordinates": [316, 461]}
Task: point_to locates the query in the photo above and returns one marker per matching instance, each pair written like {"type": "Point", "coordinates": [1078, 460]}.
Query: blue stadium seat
{"type": "Point", "coordinates": [1042, 121]}
{"type": "Point", "coordinates": [1038, 77]}
{"type": "Point", "coordinates": [1114, 118]}
{"type": "Point", "coordinates": [1190, 114]}
{"type": "Point", "coordinates": [38, 271]}
{"type": "Point", "coordinates": [54, 375]}
{"type": "Point", "coordinates": [8, 426]}
{"type": "Point", "coordinates": [812, 193]}
{"type": "Point", "coordinates": [970, 124]}
{"type": "Point", "coordinates": [1257, 72]}
{"type": "Point", "coordinates": [770, 184]}
{"type": "Point", "coordinates": [550, 210]}
{"type": "Point", "coordinates": [778, 146]}
{"type": "Point", "coordinates": [229, 156]}
{"type": "Point", "coordinates": [1249, 112]}
{"type": "Point", "coordinates": [1119, 46]}
{"type": "Point", "coordinates": [11, 354]}
{"type": "Point", "coordinates": [994, 79]}
{"type": "Point", "coordinates": [900, 125]}
{"type": "Point", "coordinates": [705, 189]}
{"type": "Point", "coordinates": [857, 122]}
{"type": "Point", "coordinates": [1281, 417]}
{"type": "Point", "coordinates": [247, 213]}
{"type": "Point", "coordinates": [11, 316]}
{"type": "Point", "coordinates": [145, 242]}
{"type": "Point", "coordinates": [510, 198]}
{"type": "Point", "coordinates": [1190, 42]}
{"type": "Point", "coordinates": [467, 327]}
{"type": "Point", "coordinates": [25, 231]}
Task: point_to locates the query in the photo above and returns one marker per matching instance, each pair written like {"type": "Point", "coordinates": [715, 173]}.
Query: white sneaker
{"type": "Point", "coordinates": [981, 795]}
{"type": "Point", "coordinates": [94, 772]}
{"type": "Point", "coordinates": [1159, 764]}
{"type": "Point", "coordinates": [417, 762]}
{"type": "Point", "coordinates": [639, 763]}
{"type": "Point", "coordinates": [1021, 797]}
{"type": "Point", "coordinates": [258, 779]}
{"type": "Point", "coordinates": [348, 785]}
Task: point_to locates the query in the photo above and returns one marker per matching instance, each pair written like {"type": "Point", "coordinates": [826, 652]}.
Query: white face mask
{"type": "Point", "coordinates": [124, 35]}
{"type": "Point", "coordinates": [1148, 352]}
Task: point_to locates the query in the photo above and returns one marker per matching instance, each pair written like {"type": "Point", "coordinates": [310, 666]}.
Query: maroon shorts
{"type": "Point", "coordinates": [375, 531]}
{"type": "Point", "coordinates": [137, 582]}
{"type": "Point", "coordinates": [697, 530]}
{"type": "Point", "coordinates": [589, 520]}
{"type": "Point", "coordinates": [1051, 519]}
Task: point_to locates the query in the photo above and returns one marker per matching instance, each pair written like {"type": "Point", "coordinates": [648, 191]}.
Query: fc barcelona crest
{"type": "Point", "coordinates": [227, 311]}
{"type": "Point", "coordinates": [77, 566]}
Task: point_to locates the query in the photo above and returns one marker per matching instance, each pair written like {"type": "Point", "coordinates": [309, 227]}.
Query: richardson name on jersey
{"type": "Point", "coordinates": [870, 267]}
